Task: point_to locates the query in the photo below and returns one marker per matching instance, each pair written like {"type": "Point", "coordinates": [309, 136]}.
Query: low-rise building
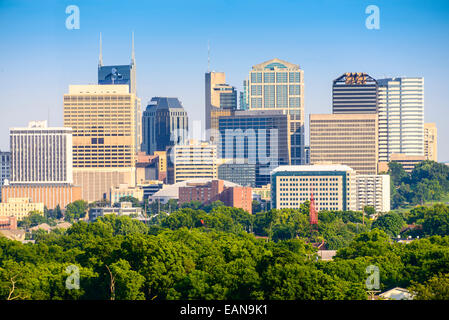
{"type": "Point", "coordinates": [125, 209]}
{"type": "Point", "coordinates": [8, 223]}
{"type": "Point", "coordinates": [124, 190]}
{"type": "Point", "coordinates": [333, 186]}
{"type": "Point", "coordinates": [19, 208]}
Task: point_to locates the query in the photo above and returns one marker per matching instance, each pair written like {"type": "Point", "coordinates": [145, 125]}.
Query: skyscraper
{"type": "Point", "coordinates": [354, 93]}
{"type": "Point", "coordinates": [220, 99]}
{"type": "Point", "coordinates": [279, 85]}
{"type": "Point", "coordinates": [103, 119]}
{"type": "Point", "coordinates": [347, 139]}
{"type": "Point", "coordinates": [401, 117]}
{"type": "Point", "coordinates": [5, 166]}
{"type": "Point", "coordinates": [41, 154]}
{"type": "Point", "coordinates": [164, 124]}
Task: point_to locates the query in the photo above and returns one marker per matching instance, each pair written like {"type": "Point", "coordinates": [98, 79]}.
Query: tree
{"type": "Point", "coordinates": [76, 210]}
{"type": "Point", "coordinates": [436, 288]}
{"type": "Point", "coordinates": [391, 223]}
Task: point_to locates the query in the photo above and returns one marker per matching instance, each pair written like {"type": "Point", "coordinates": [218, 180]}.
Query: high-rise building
{"type": "Point", "coordinates": [373, 191]}
{"type": "Point", "coordinates": [258, 137]}
{"type": "Point", "coordinates": [41, 154]}
{"type": "Point", "coordinates": [401, 117]}
{"type": "Point", "coordinates": [5, 168]}
{"type": "Point", "coordinates": [239, 172]}
{"type": "Point", "coordinates": [347, 139]}
{"type": "Point", "coordinates": [430, 141]}
{"type": "Point", "coordinates": [220, 99]}
{"type": "Point", "coordinates": [279, 85]}
{"type": "Point", "coordinates": [164, 124]}
{"type": "Point", "coordinates": [192, 160]}
{"type": "Point", "coordinates": [103, 119]}
{"type": "Point", "coordinates": [333, 187]}
{"type": "Point", "coordinates": [354, 92]}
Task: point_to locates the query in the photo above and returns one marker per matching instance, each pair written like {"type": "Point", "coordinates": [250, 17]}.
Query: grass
{"type": "Point", "coordinates": [444, 200]}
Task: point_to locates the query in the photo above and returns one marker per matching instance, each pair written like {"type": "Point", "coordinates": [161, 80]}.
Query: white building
{"type": "Point", "coordinates": [401, 117]}
{"type": "Point", "coordinates": [41, 154]}
{"type": "Point", "coordinates": [333, 186]}
{"type": "Point", "coordinates": [374, 191]}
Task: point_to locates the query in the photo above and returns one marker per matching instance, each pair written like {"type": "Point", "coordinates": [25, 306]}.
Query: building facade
{"type": "Point", "coordinates": [373, 191]}
{"type": "Point", "coordinates": [279, 85]}
{"type": "Point", "coordinates": [19, 208]}
{"type": "Point", "coordinates": [257, 137]}
{"type": "Point", "coordinates": [192, 160]}
{"type": "Point", "coordinates": [430, 142]}
{"type": "Point", "coordinates": [123, 190]}
{"type": "Point", "coordinates": [51, 195]}
{"type": "Point", "coordinates": [164, 124]}
{"type": "Point", "coordinates": [333, 187]}
{"type": "Point", "coordinates": [407, 162]}
{"type": "Point", "coordinates": [401, 117]}
{"type": "Point", "coordinates": [105, 142]}
{"type": "Point", "coordinates": [5, 168]}
{"type": "Point", "coordinates": [41, 154]}
{"type": "Point", "coordinates": [243, 174]}
{"type": "Point", "coordinates": [215, 190]}
{"type": "Point", "coordinates": [354, 92]}
{"type": "Point", "coordinates": [348, 139]}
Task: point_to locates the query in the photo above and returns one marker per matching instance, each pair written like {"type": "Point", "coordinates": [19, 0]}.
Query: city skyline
{"type": "Point", "coordinates": [41, 57]}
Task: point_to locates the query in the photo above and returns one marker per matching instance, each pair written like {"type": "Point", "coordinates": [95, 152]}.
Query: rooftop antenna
{"type": "Point", "coordinates": [132, 53]}
{"type": "Point", "coordinates": [100, 57]}
{"type": "Point", "coordinates": [208, 56]}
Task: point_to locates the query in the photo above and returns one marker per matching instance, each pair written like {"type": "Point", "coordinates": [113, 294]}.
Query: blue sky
{"type": "Point", "coordinates": [40, 57]}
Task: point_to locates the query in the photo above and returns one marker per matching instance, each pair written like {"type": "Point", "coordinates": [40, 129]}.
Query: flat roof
{"type": "Point", "coordinates": [313, 167]}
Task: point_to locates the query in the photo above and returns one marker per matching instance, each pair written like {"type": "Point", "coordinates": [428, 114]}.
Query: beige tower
{"type": "Point", "coordinates": [347, 139]}
{"type": "Point", "coordinates": [213, 79]}
{"type": "Point", "coordinates": [430, 141]}
{"type": "Point", "coordinates": [104, 123]}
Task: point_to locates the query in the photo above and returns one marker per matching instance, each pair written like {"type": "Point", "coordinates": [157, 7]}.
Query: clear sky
{"type": "Point", "coordinates": [40, 57]}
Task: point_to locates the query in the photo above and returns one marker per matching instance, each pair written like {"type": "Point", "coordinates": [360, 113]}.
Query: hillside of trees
{"type": "Point", "coordinates": [226, 253]}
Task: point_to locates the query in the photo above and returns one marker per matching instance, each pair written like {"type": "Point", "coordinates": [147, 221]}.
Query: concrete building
{"type": "Point", "coordinates": [430, 142]}
{"type": "Point", "coordinates": [215, 190]}
{"type": "Point", "coordinates": [348, 139]}
{"type": "Point", "coordinates": [192, 160]}
{"type": "Point", "coordinates": [41, 154]}
{"type": "Point", "coordinates": [333, 187]}
{"type": "Point", "coordinates": [147, 168]}
{"type": "Point", "coordinates": [279, 85]}
{"type": "Point", "coordinates": [257, 137]}
{"type": "Point", "coordinates": [373, 191]}
{"type": "Point", "coordinates": [354, 92]}
{"type": "Point", "coordinates": [125, 209]}
{"type": "Point", "coordinates": [105, 141]}
{"type": "Point", "coordinates": [5, 168]}
{"type": "Point", "coordinates": [150, 187]}
{"type": "Point", "coordinates": [8, 223]}
{"type": "Point", "coordinates": [123, 190]}
{"type": "Point", "coordinates": [164, 124]}
{"type": "Point", "coordinates": [408, 162]}
{"type": "Point", "coordinates": [19, 208]}
{"type": "Point", "coordinates": [51, 195]}
{"type": "Point", "coordinates": [401, 117]}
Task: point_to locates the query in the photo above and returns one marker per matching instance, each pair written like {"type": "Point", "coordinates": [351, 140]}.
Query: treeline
{"type": "Point", "coordinates": [121, 258]}
{"type": "Point", "coordinates": [428, 181]}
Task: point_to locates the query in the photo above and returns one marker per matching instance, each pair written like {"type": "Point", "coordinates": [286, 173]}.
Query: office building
{"type": "Point", "coordinates": [348, 139]}
{"type": "Point", "coordinates": [279, 85]}
{"type": "Point", "coordinates": [333, 187]}
{"type": "Point", "coordinates": [401, 117]}
{"type": "Point", "coordinates": [239, 172]}
{"type": "Point", "coordinates": [125, 209]}
{"type": "Point", "coordinates": [373, 191]}
{"type": "Point", "coordinates": [164, 124]}
{"type": "Point", "coordinates": [124, 190]}
{"type": "Point", "coordinates": [41, 154]}
{"type": "Point", "coordinates": [150, 187]}
{"type": "Point", "coordinates": [215, 190]}
{"type": "Point", "coordinates": [20, 208]}
{"type": "Point", "coordinates": [407, 162]}
{"type": "Point", "coordinates": [257, 137]}
{"type": "Point", "coordinates": [103, 119]}
{"type": "Point", "coordinates": [51, 195]}
{"type": "Point", "coordinates": [147, 168]}
{"type": "Point", "coordinates": [192, 160]}
{"type": "Point", "coordinates": [8, 223]}
{"type": "Point", "coordinates": [430, 142]}
{"type": "Point", "coordinates": [354, 92]}
{"type": "Point", "coordinates": [5, 169]}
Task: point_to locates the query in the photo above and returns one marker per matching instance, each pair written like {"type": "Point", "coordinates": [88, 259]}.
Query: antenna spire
{"type": "Point", "coordinates": [100, 57]}
{"type": "Point", "coordinates": [133, 60]}
{"type": "Point", "coordinates": [208, 56]}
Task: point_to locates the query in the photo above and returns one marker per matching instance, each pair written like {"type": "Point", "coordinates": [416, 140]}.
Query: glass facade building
{"type": "Point", "coordinates": [243, 174]}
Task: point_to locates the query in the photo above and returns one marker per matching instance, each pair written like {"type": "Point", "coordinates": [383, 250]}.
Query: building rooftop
{"type": "Point", "coordinates": [314, 167]}
{"type": "Point", "coordinates": [165, 103]}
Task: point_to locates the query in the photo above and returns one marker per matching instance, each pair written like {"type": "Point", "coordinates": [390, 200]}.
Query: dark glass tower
{"type": "Point", "coordinates": [164, 124]}
{"type": "Point", "coordinates": [354, 93]}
